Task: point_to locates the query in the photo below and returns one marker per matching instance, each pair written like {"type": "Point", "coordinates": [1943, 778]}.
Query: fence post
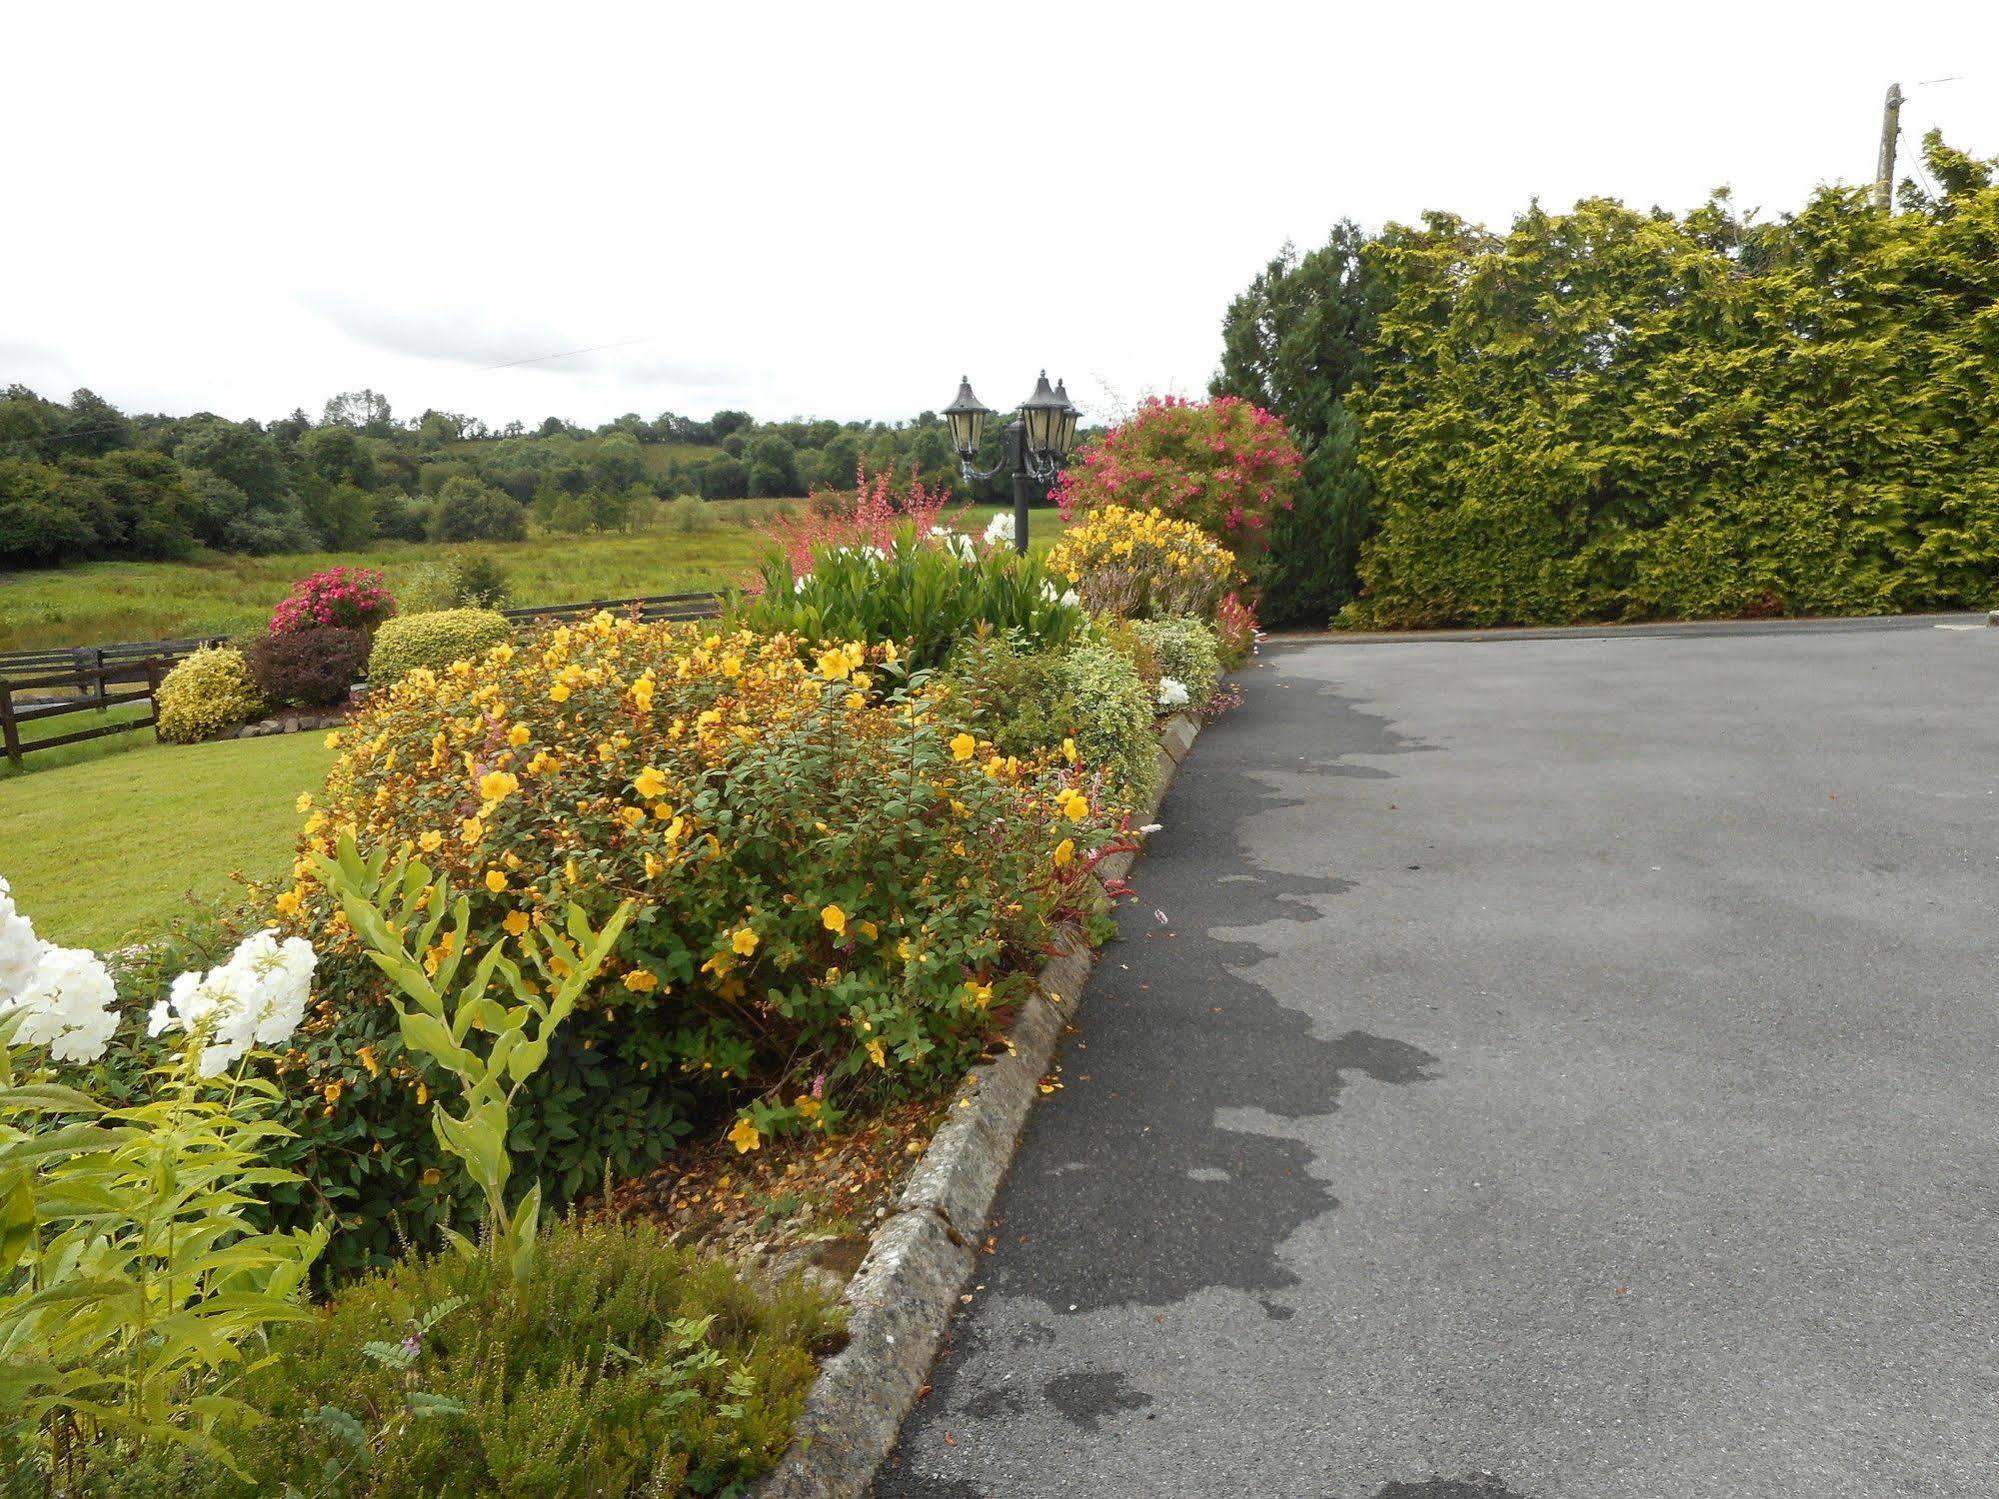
{"type": "Point", "coordinates": [102, 689]}
{"type": "Point", "coordinates": [10, 735]}
{"type": "Point", "coordinates": [153, 687]}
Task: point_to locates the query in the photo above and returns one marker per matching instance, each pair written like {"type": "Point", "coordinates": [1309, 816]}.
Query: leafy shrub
{"type": "Point", "coordinates": [435, 640]}
{"type": "Point", "coordinates": [400, 518]}
{"type": "Point", "coordinates": [210, 691]}
{"type": "Point", "coordinates": [688, 513]}
{"type": "Point", "coordinates": [469, 581]}
{"type": "Point", "coordinates": [312, 669]}
{"type": "Point", "coordinates": [622, 1365]}
{"type": "Point", "coordinates": [1090, 692]}
{"type": "Point", "coordinates": [1224, 465]}
{"type": "Point", "coordinates": [467, 510]}
{"type": "Point", "coordinates": [833, 886]}
{"type": "Point", "coordinates": [346, 598]}
{"type": "Point", "coordinates": [1235, 624]}
{"type": "Point", "coordinates": [1141, 564]}
{"type": "Point", "coordinates": [1188, 651]}
{"type": "Point", "coordinates": [925, 591]}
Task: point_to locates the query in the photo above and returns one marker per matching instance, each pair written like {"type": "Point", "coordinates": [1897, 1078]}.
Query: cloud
{"type": "Point", "coordinates": [477, 341]}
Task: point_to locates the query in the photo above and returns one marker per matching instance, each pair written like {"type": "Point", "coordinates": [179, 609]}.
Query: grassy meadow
{"type": "Point", "coordinates": [99, 603]}
{"type": "Point", "coordinates": [101, 849]}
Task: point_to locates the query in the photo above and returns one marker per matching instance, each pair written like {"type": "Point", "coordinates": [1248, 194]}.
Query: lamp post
{"type": "Point", "coordinates": [1032, 445]}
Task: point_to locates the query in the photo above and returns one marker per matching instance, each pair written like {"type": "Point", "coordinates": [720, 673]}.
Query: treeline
{"type": "Point", "coordinates": [81, 479]}
{"type": "Point", "coordinates": [1610, 414]}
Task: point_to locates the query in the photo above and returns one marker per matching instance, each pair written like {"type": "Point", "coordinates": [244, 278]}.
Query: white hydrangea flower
{"type": "Point", "coordinates": [999, 530]}
{"type": "Point", "coordinates": [20, 949]}
{"type": "Point", "coordinates": [69, 1005]}
{"type": "Point", "coordinates": [256, 998]}
{"type": "Point", "coordinates": [1172, 692]}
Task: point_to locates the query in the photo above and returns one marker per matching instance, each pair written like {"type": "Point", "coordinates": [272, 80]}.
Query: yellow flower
{"type": "Point", "coordinates": [518, 735]}
{"type": "Point", "coordinates": [833, 665]}
{"type": "Point", "coordinates": [471, 830]}
{"type": "Point", "coordinates": [432, 1176]}
{"type": "Point", "coordinates": [366, 1056]}
{"type": "Point", "coordinates": [496, 881]}
{"type": "Point", "coordinates": [876, 1054]}
{"type": "Point", "coordinates": [1073, 805]}
{"type": "Point", "coordinates": [744, 941]}
{"type": "Point", "coordinates": [835, 920]}
{"type": "Point", "coordinates": [516, 923]}
{"type": "Point", "coordinates": [870, 930]}
{"type": "Point", "coordinates": [888, 652]}
{"type": "Point", "coordinates": [1065, 851]}
{"type": "Point", "coordinates": [745, 1137]}
{"type": "Point", "coordinates": [498, 785]}
{"type": "Point", "coordinates": [288, 903]}
{"type": "Point", "coordinates": [982, 994]}
{"type": "Point", "coordinates": [542, 763]}
{"type": "Point", "coordinates": [655, 866]}
{"type": "Point", "coordinates": [856, 702]}
{"type": "Point", "coordinates": [964, 747]}
{"type": "Point", "coordinates": [333, 740]}
{"type": "Point", "coordinates": [559, 693]}
{"type": "Point", "coordinates": [807, 1106]}
{"type": "Point", "coordinates": [631, 817]}
{"type": "Point", "coordinates": [641, 981]}
{"type": "Point", "coordinates": [1069, 750]}
{"type": "Point", "coordinates": [649, 783]}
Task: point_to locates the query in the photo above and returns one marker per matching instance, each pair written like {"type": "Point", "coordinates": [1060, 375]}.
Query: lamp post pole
{"type": "Point", "coordinates": [1032, 446]}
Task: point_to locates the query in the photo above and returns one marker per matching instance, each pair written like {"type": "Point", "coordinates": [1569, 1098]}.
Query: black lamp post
{"type": "Point", "coordinates": [1032, 446]}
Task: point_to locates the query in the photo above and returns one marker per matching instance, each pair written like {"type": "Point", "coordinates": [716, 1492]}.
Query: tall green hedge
{"type": "Point", "coordinates": [1610, 414]}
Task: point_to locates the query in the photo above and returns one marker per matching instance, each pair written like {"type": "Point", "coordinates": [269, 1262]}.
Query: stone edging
{"type": "Point", "coordinates": [922, 1255]}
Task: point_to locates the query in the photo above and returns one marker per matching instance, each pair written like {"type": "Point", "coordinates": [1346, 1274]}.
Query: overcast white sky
{"type": "Point", "coordinates": [835, 209]}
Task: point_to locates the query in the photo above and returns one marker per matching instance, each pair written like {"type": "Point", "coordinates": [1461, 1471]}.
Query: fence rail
{"type": "Point", "coordinates": [87, 659]}
{"type": "Point", "coordinates": [656, 606]}
{"type": "Point", "coordinates": [93, 695]}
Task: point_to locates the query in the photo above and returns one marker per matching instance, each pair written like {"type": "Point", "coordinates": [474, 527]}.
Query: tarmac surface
{"type": "Point", "coordinates": [1533, 1068]}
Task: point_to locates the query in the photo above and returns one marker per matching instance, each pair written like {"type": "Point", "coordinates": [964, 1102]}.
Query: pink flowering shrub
{"type": "Point", "coordinates": [870, 516]}
{"type": "Point", "coordinates": [1235, 623]}
{"type": "Point", "coordinates": [347, 598]}
{"type": "Point", "coordinates": [1227, 466]}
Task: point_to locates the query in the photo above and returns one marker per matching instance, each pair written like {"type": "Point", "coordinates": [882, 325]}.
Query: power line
{"type": "Point", "coordinates": [565, 354]}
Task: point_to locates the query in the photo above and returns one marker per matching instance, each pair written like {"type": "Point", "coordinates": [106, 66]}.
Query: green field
{"type": "Point", "coordinates": [99, 850]}
{"type": "Point", "coordinates": [98, 603]}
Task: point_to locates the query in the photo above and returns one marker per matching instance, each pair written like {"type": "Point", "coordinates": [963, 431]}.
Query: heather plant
{"type": "Point", "coordinates": [1144, 564]}
{"type": "Point", "coordinates": [1224, 465]}
{"type": "Point", "coordinates": [347, 598]}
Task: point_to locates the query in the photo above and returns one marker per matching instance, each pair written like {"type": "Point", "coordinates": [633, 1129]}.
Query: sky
{"type": "Point", "coordinates": [836, 210]}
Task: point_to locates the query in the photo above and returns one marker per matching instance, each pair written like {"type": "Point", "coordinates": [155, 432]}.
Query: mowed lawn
{"type": "Point", "coordinates": [98, 850]}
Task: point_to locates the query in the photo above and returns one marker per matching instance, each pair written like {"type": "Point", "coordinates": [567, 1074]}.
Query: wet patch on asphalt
{"type": "Point", "coordinates": [1088, 1397]}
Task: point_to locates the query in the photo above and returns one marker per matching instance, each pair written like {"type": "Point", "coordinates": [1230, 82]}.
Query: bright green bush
{"type": "Point", "coordinates": [209, 692]}
{"type": "Point", "coordinates": [1092, 692]}
{"type": "Point", "coordinates": [927, 593]}
{"type": "Point", "coordinates": [621, 1366]}
{"type": "Point", "coordinates": [434, 639]}
{"type": "Point", "coordinates": [1186, 650]}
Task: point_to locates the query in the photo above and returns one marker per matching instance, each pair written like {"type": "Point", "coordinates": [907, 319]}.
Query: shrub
{"type": "Point", "coordinates": [435, 640]}
{"type": "Point", "coordinates": [622, 1365]}
{"type": "Point", "coordinates": [1235, 623]}
{"type": "Point", "coordinates": [210, 691]}
{"type": "Point", "coordinates": [1141, 564]}
{"type": "Point", "coordinates": [471, 581]}
{"type": "Point", "coordinates": [309, 670]}
{"type": "Point", "coordinates": [688, 513]}
{"type": "Point", "coordinates": [1188, 651]}
{"type": "Point", "coordinates": [467, 510]}
{"type": "Point", "coordinates": [1225, 465]}
{"type": "Point", "coordinates": [400, 518]}
{"type": "Point", "coordinates": [1091, 693]}
{"type": "Point", "coordinates": [925, 591]}
{"type": "Point", "coordinates": [347, 598]}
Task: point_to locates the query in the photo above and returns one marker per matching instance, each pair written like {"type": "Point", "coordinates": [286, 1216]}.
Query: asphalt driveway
{"type": "Point", "coordinates": [1566, 1068]}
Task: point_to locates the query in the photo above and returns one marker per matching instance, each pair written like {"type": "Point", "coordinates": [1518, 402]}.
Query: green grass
{"type": "Point", "coordinates": [73, 723]}
{"type": "Point", "coordinates": [100, 603]}
{"type": "Point", "coordinates": [99, 850]}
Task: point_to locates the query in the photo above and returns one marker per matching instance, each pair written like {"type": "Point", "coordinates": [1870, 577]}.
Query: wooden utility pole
{"type": "Point", "coordinates": [1891, 127]}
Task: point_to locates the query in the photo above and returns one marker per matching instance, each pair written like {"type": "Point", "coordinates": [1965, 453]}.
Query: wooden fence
{"type": "Point", "coordinates": [135, 680]}
{"type": "Point", "coordinates": [650, 607]}
{"type": "Point", "coordinates": [86, 659]}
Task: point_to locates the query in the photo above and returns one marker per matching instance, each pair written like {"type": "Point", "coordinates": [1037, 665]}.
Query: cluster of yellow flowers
{"type": "Point", "coordinates": [1138, 563]}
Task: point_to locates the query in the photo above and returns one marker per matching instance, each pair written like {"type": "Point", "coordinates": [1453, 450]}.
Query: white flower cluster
{"type": "Point", "coordinates": [999, 530]}
{"type": "Point", "coordinates": [256, 998]}
{"type": "Point", "coordinates": [957, 543]}
{"type": "Point", "coordinates": [64, 995]}
{"type": "Point", "coordinates": [1068, 599]}
{"type": "Point", "coordinates": [1172, 692]}
{"type": "Point", "coordinates": [67, 1002]}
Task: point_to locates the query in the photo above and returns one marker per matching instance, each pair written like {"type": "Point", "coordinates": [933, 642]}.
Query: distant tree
{"type": "Point", "coordinates": [773, 466]}
{"type": "Point", "coordinates": [363, 410]}
{"type": "Point", "coordinates": [238, 453]}
{"type": "Point", "coordinates": [722, 423]}
{"type": "Point", "coordinates": [93, 426]}
{"type": "Point", "coordinates": [329, 456]}
{"type": "Point", "coordinates": [722, 479]}
{"type": "Point", "coordinates": [37, 529]}
{"type": "Point", "coordinates": [467, 510]}
{"type": "Point", "coordinates": [158, 513]}
{"type": "Point", "coordinates": [551, 426]}
{"type": "Point", "coordinates": [837, 461]}
{"type": "Point", "coordinates": [287, 430]}
{"type": "Point", "coordinates": [342, 516]}
{"type": "Point", "coordinates": [618, 463]}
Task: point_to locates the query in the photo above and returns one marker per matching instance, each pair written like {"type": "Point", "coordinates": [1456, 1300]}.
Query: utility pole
{"type": "Point", "coordinates": [1891, 127]}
